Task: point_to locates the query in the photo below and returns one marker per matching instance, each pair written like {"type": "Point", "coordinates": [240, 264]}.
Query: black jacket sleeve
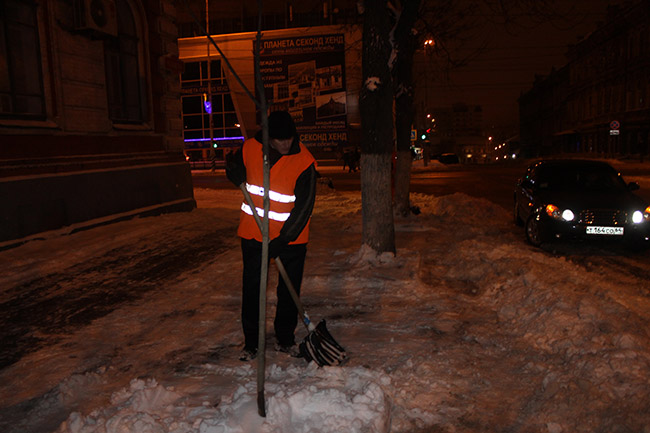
{"type": "Point", "coordinates": [235, 168]}
{"type": "Point", "coordinates": [305, 192]}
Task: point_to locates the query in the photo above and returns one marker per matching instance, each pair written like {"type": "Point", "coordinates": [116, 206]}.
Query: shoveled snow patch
{"type": "Point", "coordinates": [366, 257]}
{"type": "Point", "coordinates": [298, 399]}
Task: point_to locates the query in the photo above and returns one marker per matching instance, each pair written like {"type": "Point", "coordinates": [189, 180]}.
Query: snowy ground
{"type": "Point", "coordinates": [467, 329]}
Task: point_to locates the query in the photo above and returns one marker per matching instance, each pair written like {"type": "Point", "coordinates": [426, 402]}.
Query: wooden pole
{"type": "Point", "coordinates": [261, 345]}
{"type": "Point", "coordinates": [261, 104]}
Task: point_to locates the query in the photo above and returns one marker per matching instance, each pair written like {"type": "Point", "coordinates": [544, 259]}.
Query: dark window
{"type": "Point", "coordinates": [193, 135]}
{"type": "Point", "coordinates": [230, 120]}
{"type": "Point", "coordinates": [217, 120]}
{"type": "Point", "coordinates": [123, 81]}
{"type": "Point", "coordinates": [21, 83]}
{"type": "Point", "coordinates": [192, 122]}
{"type": "Point", "coordinates": [217, 104]}
{"type": "Point", "coordinates": [227, 103]}
{"type": "Point", "coordinates": [232, 132]}
{"type": "Point", "coordinates": [192, 72]}
{"type": "Point", "coordinates": [195, 81]}
{"type": "Point", "coordinates": [192, 105]}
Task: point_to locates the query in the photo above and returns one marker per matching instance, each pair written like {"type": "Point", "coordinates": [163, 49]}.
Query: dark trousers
{"type": "Point", "coordinates": [286, 314]}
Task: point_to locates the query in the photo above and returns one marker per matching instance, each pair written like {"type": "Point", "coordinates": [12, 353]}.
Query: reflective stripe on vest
{"type": "Point", "coordinates": [282, 183]}
{"type": "Point", "coordinates": [273, 195]}
{"type": "Point", "coordinates": [275, 216]}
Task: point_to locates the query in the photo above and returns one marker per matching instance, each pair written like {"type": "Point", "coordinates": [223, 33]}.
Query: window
{"type": "Point", "coordinates": [196, 120]}
{"type": "Point", "coordinates": [21, 82]}
{"type": "Point", "coordinates": [123, 77]}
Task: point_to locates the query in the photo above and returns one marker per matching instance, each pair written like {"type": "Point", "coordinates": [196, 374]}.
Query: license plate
{"type": "Point", "coordinates": [599, 230]}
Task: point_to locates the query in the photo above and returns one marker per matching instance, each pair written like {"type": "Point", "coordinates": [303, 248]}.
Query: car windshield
{"type": "Point", "coordinates": [580, 178]}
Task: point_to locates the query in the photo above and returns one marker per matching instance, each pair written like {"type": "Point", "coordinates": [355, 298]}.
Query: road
{"type": "Point", "coordinates": [492, 182]}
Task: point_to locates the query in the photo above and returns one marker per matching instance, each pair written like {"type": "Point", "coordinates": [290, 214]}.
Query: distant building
{"type": "Point", "coordinates": [457, 129]}
{"type": "Point", "coordinates": [543, 115]}
{"type": "Point", "coordinates": [90, 127]}
{"type": "Point", "coordinates": [599, 103]}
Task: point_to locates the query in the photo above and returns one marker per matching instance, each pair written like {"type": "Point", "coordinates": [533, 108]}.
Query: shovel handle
{"type": "Point", "coordinates": [278, 263]}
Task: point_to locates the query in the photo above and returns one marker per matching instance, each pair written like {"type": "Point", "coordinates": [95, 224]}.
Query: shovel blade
{"type": "Point", "coordinates": [319, 346]}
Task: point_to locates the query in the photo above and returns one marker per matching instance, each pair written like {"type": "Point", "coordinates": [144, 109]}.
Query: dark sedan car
{"type": "Point", "coordinates": [580, 199]}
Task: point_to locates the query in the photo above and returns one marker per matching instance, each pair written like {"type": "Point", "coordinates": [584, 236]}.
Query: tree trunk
{"type": "Point", "coordinates": [405, 46]}
{"type": "Point", "coordinates": [403, 121]}
{"type": "Point", "coordinates": [376, 204]}
{"type": "Point", "coordinates": [376, 107]}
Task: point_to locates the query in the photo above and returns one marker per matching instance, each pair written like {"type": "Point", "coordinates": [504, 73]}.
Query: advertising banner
{"type": "Point", "coordinates": [305, 75]}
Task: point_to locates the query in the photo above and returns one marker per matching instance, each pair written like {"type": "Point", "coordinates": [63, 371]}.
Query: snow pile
{"type": "Point", "coordinates": [298, 400]}
{"type": "Point", "coordinates": [138, 409]}
{"type": "Point", "coordinates": [600, 355]}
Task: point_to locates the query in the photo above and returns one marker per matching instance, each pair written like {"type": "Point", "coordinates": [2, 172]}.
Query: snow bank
{"type": "Point", "coordinates": [298, 400]}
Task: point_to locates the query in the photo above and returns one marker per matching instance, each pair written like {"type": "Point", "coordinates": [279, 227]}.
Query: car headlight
{"type": "Point", "coordinates": [567, 215]}
{"type": "Point", "coordinates": [558, 214]}
{"type": "Point", "coordinates": [638, 217]}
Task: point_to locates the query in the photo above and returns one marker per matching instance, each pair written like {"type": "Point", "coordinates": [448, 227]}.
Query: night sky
{"type": "Point", "coordinates": [506, 68]}
{"type": "Point", "coordinates": [496, 78]}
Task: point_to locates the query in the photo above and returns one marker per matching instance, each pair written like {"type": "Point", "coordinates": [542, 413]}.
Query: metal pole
{"type": "Point", "coordinates": [212, 152]}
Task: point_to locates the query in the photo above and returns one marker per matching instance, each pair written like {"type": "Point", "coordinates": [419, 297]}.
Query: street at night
{"type": "Point", "coordinates": [134, 326]}
{"type": "Point", "coordinates": [488, 289]}
{"type": "Point", "coordinates": [494, 182]}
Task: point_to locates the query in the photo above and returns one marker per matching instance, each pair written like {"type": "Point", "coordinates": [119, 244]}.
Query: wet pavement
{"type": "Point", "coordinates": [39, 308]}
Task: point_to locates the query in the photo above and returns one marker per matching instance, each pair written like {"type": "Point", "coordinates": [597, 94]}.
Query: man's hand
{"type": "Point", "coordinates": [276, 246]}
{"type": "Point", "coordinates": [235, 169]}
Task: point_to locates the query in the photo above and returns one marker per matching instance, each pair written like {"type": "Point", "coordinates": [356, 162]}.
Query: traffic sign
{"type": "Point", "coordinates": [614, 124]}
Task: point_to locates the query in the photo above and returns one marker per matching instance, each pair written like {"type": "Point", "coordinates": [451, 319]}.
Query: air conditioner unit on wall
{"type": "Point", "coordinates": [96, 16]}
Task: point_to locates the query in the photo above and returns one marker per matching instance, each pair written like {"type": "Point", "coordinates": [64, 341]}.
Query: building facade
{"type": "Point", "coordinates": [599, 102]}
{"type": "Point", "coordinates": [456, 129]}
{"type": "Point", "coordinates": [314, 73]}
{"type": "Point", "coordinates": [90, 116]}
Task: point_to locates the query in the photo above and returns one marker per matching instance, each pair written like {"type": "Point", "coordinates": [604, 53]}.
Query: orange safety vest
{"type": "Point", "coordinates": [283, 177]}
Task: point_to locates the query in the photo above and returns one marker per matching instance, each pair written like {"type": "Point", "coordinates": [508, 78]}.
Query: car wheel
{"type": "Point", "coordinates": [534, 231]}
{"type": "Point", "coordinates": [515, 215]}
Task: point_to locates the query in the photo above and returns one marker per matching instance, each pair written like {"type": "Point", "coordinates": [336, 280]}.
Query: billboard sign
{"type": "Point", "coordinates": [305, 75]}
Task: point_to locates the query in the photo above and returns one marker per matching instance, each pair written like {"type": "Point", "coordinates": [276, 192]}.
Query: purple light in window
{"type": "Point", "coordinates": [215, 139]}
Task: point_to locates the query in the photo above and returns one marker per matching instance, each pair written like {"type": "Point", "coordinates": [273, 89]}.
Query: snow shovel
{"type": "Point", "coordinates": [319, 345]}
